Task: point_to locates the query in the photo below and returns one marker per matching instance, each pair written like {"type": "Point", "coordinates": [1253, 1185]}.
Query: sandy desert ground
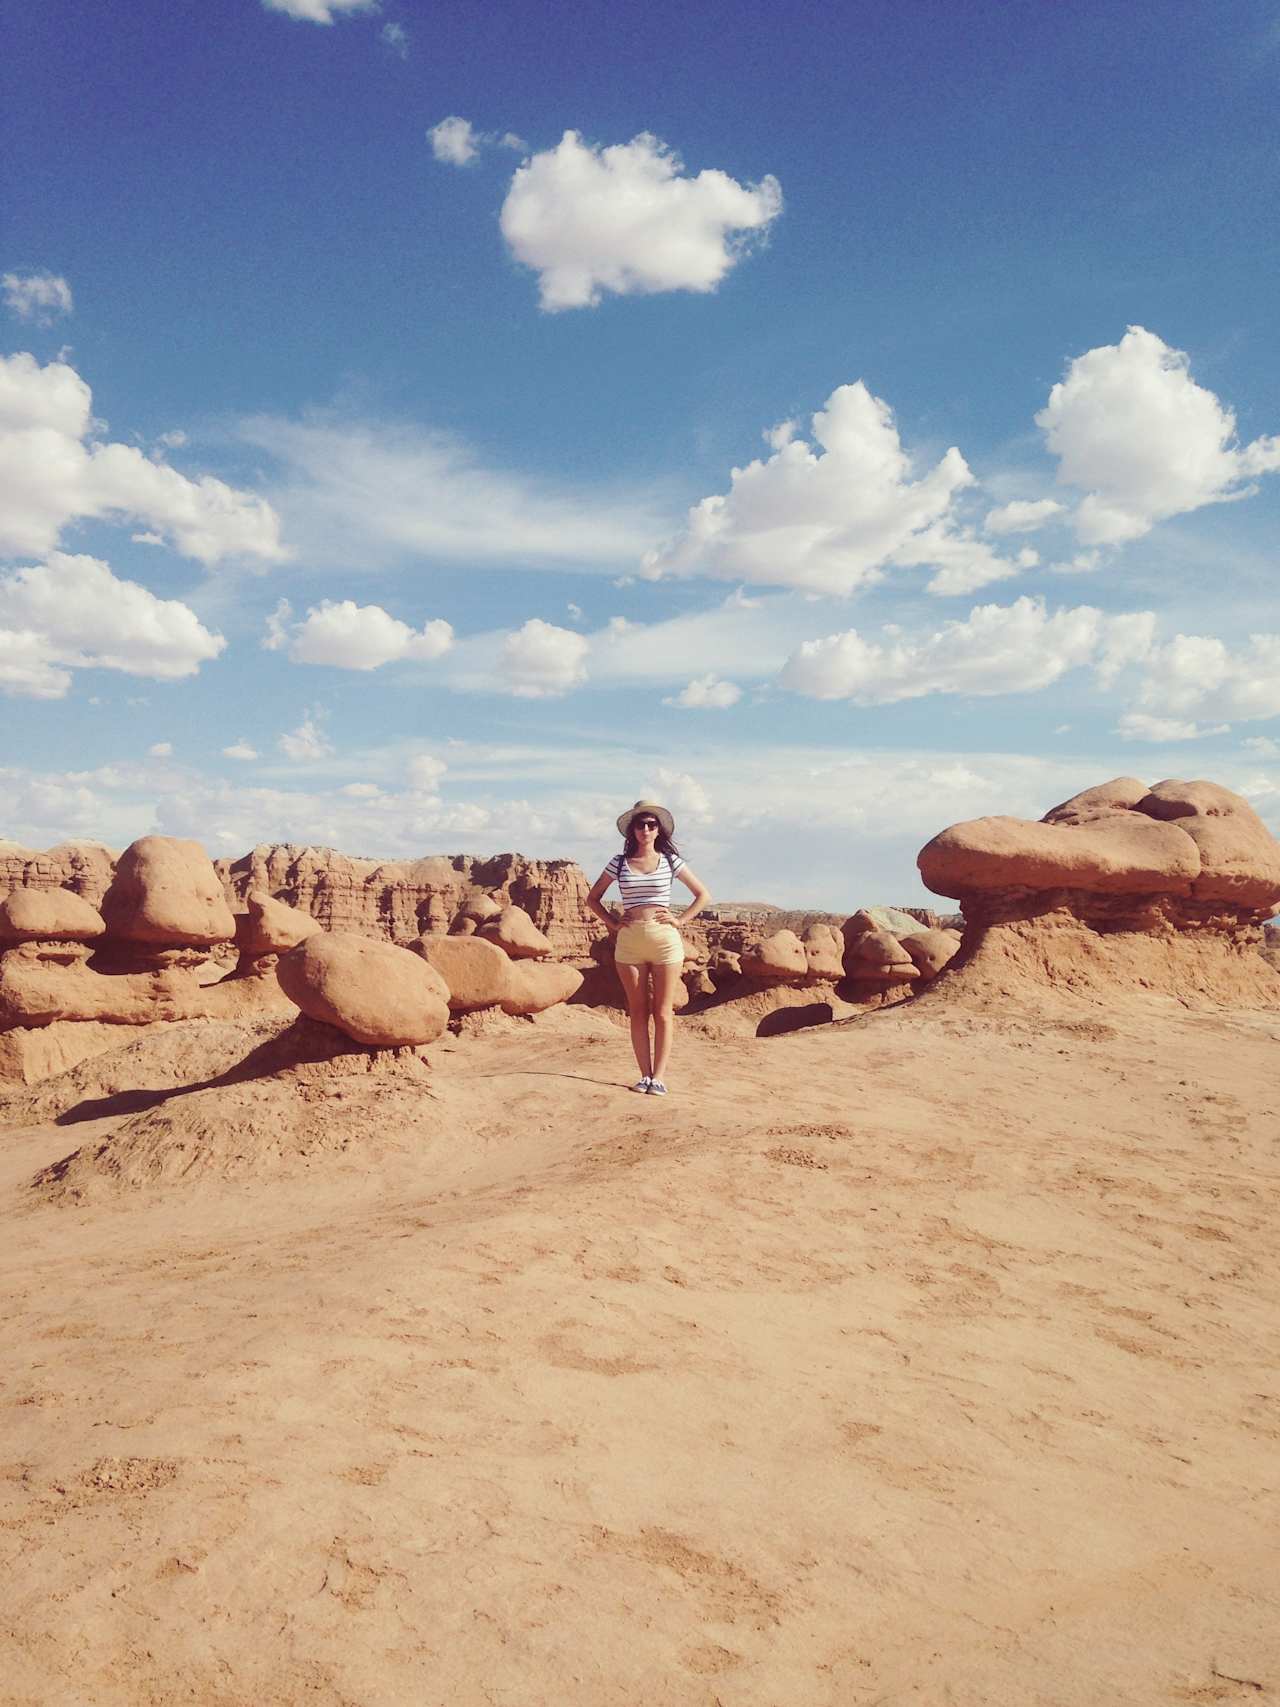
{"type": "Point", "coordinates": [926, 1358]}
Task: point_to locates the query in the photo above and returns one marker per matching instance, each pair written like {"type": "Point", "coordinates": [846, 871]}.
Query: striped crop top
{"type": "Point", "coordinates": [644, 888]}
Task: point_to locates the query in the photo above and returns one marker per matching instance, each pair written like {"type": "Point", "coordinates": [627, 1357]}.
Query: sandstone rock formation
{"type": "Point", "coordinates": [1122, 886]}
{"type": "Point", "coordinates": [85, 868]}
{"type": "Point", "coordinates": [376, 993]}
{"type": "Point", "coordinates": [268, 926]}
{"type": "Point", "coordinates": [533, 986]}
{"type": "Point", "coordinates": [931, 952]}
{"type": "Point", "coordinates": [397, 900]}
{"type": "Point", "coordinates": [780, 956]}
{"type": "Point", "coordinates": [515, 932]}
{"type": "Point", "coordinates": [477, 973]}
{"type": "Point", "coordinates": [166, 894]}
{"type": "Point", "coordinates": [48, 915]}
{"type": "Point", "coordinates": [824, 954]}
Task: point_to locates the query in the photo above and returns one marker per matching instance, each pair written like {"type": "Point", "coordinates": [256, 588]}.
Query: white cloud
{"type": "Point", "coordinates": [307, 743]}
{"type": "Point", "coordinates": [707, 693]}
{"type": "Point", "coordinates": [161, 750]}
{"type": "Point", "coordinates": [1022, 515]}
{"type": "Point", "coordinates": [396, 37]}
{"type": "Point", "coordinates": [541, 661]}
{"type": "Point", "coordinates": [366, 493]}
{"type": "Point", "coordinates": [424, 772]}
{"type": "Point", "coordinates": [240, 750]}
{"type": "Point", "coordinates": [361, 791]}
{"type": "Point", "coordinates": [319, 11]}
{"type": "Point", "coordinates": [1263, 745]}
{"type": "Point", "coordinates": [1143, 440]}
{"type": "Point", "coordinates": [41, 297]}
{"type": "Point", "coordinates": [997, 649]}
{"type": "Point", "coordinates": [833, 518]}
{"type": "Point", "coordinates": [53, 473]}
{"type": "Point", "coordinates": [1083, 563]}
{"type": "Point", "coordinates": [454, 141]}
{"type": "Point", "coordinates": [1198, 675]}
{"type": "Point", "coordinates": [349, 636]}
{"type": "Point", "coordinates": [624, 219]}
{"type": "Point", "coordinates": [1138, 726]}
{"type": "Point", "coordinates": [73, 613]}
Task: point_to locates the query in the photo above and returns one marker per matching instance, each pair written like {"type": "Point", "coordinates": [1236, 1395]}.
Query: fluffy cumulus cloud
{"type": "Point", "coordinates": [54, 471]}
{"type": "Point", "coordinates": [541, 661]}
{"type": "Point", "coordinates": [626, 219]}
{"type": "Point", "coordinates": [834, 514]}
{"type": "Point", "coordinates": [1022, 515]}
{"type": "Point", "coordinates": [454, 141]}
{"type": "Point", "coordinates": [41, 297]}
{"type": "Point", "coordinates": [73, 613]}
{"type": "Point", "coordinates": [306, 744]}
{"type": "Point", "coordinates": [349, 636]}
{"type": "Point", "coordinates": [1199, 676]}
{"type": "Point", "coordinates": [240, 750]}
{"type": "Point", "coordinates": [319, 11]}
{"type": "Point", "coordinates": [1134, 431]}
{"type": "Point", "coordinates": [1140, 726]}
{"type": "Point", "coordinates": [997, 649]}
{"type": "Point", "coordinates": [706, 693]}
{"type": "Point", "coordinates": [424, 773]}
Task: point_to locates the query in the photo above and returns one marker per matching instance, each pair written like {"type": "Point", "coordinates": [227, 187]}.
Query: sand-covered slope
{"type": "Point", "coordinates": [926, 1358]}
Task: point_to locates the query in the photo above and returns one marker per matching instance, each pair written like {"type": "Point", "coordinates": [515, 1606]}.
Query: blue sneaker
{"type": "Point", "coordinates": [657, 1088]}
{"type": "Point", "coordinates": [642, 1085]}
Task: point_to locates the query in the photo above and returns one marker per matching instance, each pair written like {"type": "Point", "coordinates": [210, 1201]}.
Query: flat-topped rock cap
{"type": "Point", "coordinates": [166, 891]}
{"type": "Point", "coordinates": [270, 926]}
{"type": "Point", "coordinates": [376, 993]}
{"type": "Point", "coordinates": [1119, 853]}
{"type": "Point", "coordinates": [48, 915]}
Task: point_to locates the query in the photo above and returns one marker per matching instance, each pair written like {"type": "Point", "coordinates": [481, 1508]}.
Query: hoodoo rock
{"type": "Point", "coordinates": [376, 993]}
{"type": "Point", "coordinates": [478, 974]}
{"type": "Point", "coordinates": [166, 893]}
{"type": "Point", "coordinates": [83, 867]}
{"type": "Point", "coordinates": [515, 932]}
{"type": "Point", "coordinates": [535, 985]}
{"type": "Point", "coordinates": [397, 900]}
{"type": "Point", "coordinates": [1121, 886]}
{"type": "Point", "coordinates": [268, 926]}
{"type": "Point", "coordinates": [931, 951]}
{"type": "Point", "coordinates": [48, 915]}
{"type": "Point", "coordinates": [824, 953]}
{"type": "Point", "coordinates": [781, 956]}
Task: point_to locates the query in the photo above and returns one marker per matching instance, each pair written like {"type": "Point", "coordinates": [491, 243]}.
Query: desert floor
{"type": "Point", "coordinates": [928, 1358]}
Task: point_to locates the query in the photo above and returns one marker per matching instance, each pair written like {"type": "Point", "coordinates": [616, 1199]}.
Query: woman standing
{"type": "Point", "coordinates": [648, 951]}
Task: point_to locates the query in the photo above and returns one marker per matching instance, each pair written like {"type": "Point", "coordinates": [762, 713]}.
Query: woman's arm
{"type": "Point", "coordinates": [698, 889]}
{"type": "Point", "coordinates": [594, 903]}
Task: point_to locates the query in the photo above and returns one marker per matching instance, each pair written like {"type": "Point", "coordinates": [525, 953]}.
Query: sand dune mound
{"type": "Point", "coordinates": [225, 1101]}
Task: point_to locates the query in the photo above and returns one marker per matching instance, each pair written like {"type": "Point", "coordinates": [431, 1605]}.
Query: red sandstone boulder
{"type": "Point", "coordinates": [931, 951]}
{"type": "Point", "coordinates": [270, 927]}
{"type": "Point", "coordinates": [48, 915]}
{"type": "Point", "coordinates": [478, 974]}
{"type": "Point", "coordinates": [376, 993]}
{"type": "Point", "coordinates": [824, 953]}
{"type": "Point", "coordinates": [1239, 857]}
{"type": "Point", "coordinates": [515, 933]}
{"type": "Point", "coordinates": [1121, 794]}
{"type": "Point", "coordinates": [1123, 853]}
{"type": "Point", "coordinates": [165, 891]}
{"type": "Point", "coordinates": [873, 954]}
{"type": "Point", "coordinates": [780, 956]}
{"type": "Point", "coordinates": [533, 986]}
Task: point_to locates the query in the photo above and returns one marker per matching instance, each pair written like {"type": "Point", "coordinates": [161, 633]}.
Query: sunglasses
{"type": "Point", "coordinates": [645, 824]}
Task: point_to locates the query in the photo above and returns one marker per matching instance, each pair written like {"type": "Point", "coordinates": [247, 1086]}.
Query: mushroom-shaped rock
{"type": "Point", "coordinates": [1119, 853]}
{"type": "Point", "coordinates": [532, 986]}
{"type": "Point", "coordinates": [166, 891]}
{"type": "Point", "coordinates": [481, 907]}
{"type": "Point", "coordinates": [781, 955]}
{"type": "Point", "coordinates": [48, 915]}
{"type": "Point", "coordinates": [515, 932]}
{"type": "Point", "coordinates": [824, 953]}
{"type": "Point", "coordinates": [271, 926]}
{"type": "Point", "coordinates": [1239, 857]}
{"type": "Point", "coordinates": [376, 993]}
{"type": "Point", "coordinates": [930, 951]}
{"type": "Point", "coordinates": [1121, 794]}
{"type": "Point", "coordinates": [478, 974]}
{"type": "Point", "coordinates": [875, 954]}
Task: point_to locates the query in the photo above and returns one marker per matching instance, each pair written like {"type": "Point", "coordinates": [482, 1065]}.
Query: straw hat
{"type": "Point", "coordinates": [660, 813]}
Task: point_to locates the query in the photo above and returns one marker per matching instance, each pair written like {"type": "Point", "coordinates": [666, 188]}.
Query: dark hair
{"type": "Point", "coordinates": [662, 841]}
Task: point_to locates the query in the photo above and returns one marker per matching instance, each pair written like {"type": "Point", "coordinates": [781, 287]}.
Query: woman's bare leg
{"type": "Point", "coordinates": [665, 979]}
{"type": "Point", "coordinates": [635, 981]}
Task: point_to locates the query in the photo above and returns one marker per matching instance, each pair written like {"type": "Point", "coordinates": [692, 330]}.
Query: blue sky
{"type": "Point", "coordinates": [425, 429]}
